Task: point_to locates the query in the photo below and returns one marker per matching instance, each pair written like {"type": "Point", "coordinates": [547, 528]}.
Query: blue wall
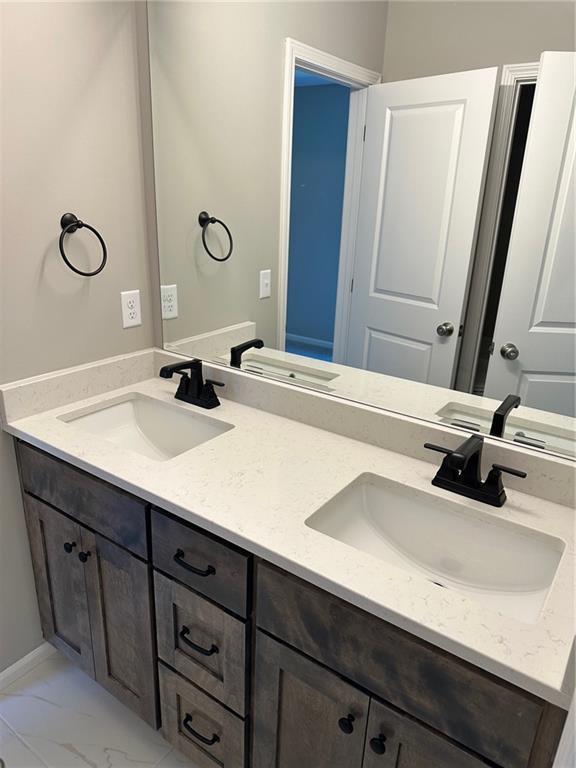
{"type": "Point", "coordinates": [318, 167]}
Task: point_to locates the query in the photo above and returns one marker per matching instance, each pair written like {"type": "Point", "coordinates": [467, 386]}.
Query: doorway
{"type": "Point", "coordinates": [319, 141]}
{"type": "Point", "coordinates": [324, 107]}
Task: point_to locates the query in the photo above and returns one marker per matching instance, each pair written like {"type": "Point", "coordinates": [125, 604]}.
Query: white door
{"type": "Point", "coordinates": [422, 177]}
{"type": "Point", "coordinates": [537, 310]}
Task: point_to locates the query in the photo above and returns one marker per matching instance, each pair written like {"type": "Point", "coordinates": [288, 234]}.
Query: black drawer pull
{"type": "Point", "coordinates": [83, 556]}
{"type": "Point", "coordinates": [69, 546]}
{"type": "Point", "coordinates": [209, 742]}
{"type": "Point", "coordinates": [179, 558]}
{"type": "Point", "coordinates": [378, 744]}
{"type": "Point", "coordinates": [185, 631]}
{"type": "Point", "coordinates": [345, 724]}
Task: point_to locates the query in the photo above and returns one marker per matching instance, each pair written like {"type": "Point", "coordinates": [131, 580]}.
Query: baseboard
{"type": "Point", "coordinates": [25, 664]}
{"type": "Point", "coordinates": [309, 341]}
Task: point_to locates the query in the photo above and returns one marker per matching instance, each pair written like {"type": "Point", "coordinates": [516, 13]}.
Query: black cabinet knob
{"type": "Point", "coordinates": [378, 744]}
{"type": "Point", "coordinates": [83, 556]}
{"type": "Point", "coordinates": [69, 546]}
{"type": "Point", "coordinates": [346, 724]}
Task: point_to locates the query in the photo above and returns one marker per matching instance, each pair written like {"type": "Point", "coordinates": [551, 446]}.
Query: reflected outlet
{"type": "Point", "coordinates": [169, 296]}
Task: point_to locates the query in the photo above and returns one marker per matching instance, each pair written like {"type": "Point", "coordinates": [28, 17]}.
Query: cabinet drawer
{"type": "Point", "coordinates": [201, 641]}
{"type": "Point", "coordinates": [210, 735]}
{"type": "Point", "coordinates": [109, 511]}
{"type": "Point", "coordinates": [199, 561]}
{"type": "Point", "coordinates": [470, 706]}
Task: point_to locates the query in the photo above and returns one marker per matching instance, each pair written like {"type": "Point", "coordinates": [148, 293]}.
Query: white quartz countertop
{"type": "Point", "coordinates": [255, 485]}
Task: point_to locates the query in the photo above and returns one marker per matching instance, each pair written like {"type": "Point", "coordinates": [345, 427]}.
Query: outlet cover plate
{"type": "Point", "coordinates": [169, 296]}
{"type": "Point", "coordinates": [131, 311]}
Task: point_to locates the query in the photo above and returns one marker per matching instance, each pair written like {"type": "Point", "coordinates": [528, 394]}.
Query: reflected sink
{"type": "Point", "coordinates": [522, 430]}
{"type": "Point", "coordinates": [285, 370]}
{"type": "Point", "coordinates": [504, 566]}
{"type": "Point", "coordinates": [147, 426]}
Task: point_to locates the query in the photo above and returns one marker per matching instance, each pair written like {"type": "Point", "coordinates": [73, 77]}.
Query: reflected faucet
{"type": "Point", "coordinates": [237, 351]}
{"type": "Point", "coordinates": [501, 414]}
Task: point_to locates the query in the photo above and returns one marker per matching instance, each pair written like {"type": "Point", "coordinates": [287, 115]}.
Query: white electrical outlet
{"type": "Point", "coordinates": [131, 311]}
{"type": "Point", "coordinates": [265, 283]}
{"type": "Point", "coordinates": [169, 295]}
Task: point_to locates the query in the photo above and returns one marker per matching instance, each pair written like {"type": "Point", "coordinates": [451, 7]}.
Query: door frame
{"type": "Point", "coordinates": [513, 76]}
{"type": "Point", "coordinates": [344, 72]}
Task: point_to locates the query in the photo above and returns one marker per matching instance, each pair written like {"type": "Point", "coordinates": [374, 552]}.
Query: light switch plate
{"type": "Point", "coordinates": [131, 311]}
{"type": "Point", "coordinates": [169, 295]}
{"type": "Point", "coordinates": [265, 283]}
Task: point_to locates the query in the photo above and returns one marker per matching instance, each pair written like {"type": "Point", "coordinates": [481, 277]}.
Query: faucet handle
{"type": "Point", "coordinates": [215, 383]}
{"type": "Point", "coordinates": [509, 470]}
{"type": "Point", "coordinates": [439, 448]}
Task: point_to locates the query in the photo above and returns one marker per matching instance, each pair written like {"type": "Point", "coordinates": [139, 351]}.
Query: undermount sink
{"type": "Point", "coordinates": [149, 427]}
{"type": "Point", "coordinates": [504, 566]}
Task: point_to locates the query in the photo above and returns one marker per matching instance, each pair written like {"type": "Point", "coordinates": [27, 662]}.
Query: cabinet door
{"type": "Point", "coordinates": [55, 542]}
{"type": "Point", "coordinates": [304, 715]}
{"type": "Point", "coordinates": [395, 741]}
{"type": "Point", "coordinates": [119, 598]}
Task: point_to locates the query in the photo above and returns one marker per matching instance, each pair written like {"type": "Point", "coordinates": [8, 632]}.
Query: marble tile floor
{"type": "Point", "coordinates": [55, 716]}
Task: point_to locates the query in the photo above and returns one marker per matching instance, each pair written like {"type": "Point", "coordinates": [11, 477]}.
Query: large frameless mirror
{"type": "Point", "coordinates": [339, 215]}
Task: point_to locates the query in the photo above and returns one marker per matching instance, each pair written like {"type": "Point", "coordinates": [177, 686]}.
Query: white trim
{"type": "Point", "coordinates": [309, 341]}
{"type": "Point", "coordinates": [350, 207]}
{"type": "Point", "coordinates": [25, 664]}
{"type": "Point", "coordinates": [513, 76]}
{"type": "Point", "coordinates": [339, 70]}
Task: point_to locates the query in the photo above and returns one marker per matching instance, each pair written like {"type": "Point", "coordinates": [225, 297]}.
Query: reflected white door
{"type": "Point", "coordinates": [422, 177]}
{"type": "Point", "coordinates": [537, 310]}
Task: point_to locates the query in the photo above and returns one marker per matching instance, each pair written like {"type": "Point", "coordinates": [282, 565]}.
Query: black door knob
{"type": "Point", "coordinates": [346, 724]}
{"type": "Point", "coordinates": [69, 546]}
{"type": "Point", "coordinates": [83, 556]}
{"type": "Point", "coordinates": [378, 744]}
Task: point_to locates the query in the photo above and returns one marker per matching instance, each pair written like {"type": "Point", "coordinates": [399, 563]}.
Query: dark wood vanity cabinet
{"type": "Point", "coordinates": [306, 715]}
{"type": "Point", "coordinates": [442, 713]}
{"type": "Point", "coordinates": [95, 596]}
{"type": "Point", "coordinates": [204, 635]}
{"type": "Point", "coordinates": [244, 665]}
{"type": "Point", "coordinates": [55, 542]}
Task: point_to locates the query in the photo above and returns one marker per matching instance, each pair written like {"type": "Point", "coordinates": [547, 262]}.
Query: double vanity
{"type": "Point", "coordinates": [271, 593]}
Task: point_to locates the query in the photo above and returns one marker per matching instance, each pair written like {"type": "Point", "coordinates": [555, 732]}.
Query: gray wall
{"type": "Point", "coordinates": [70, 141]}
{"type": "Point", "coordinates": [217, 83]}
{"type": "Point", "coordinates": [433, 38]}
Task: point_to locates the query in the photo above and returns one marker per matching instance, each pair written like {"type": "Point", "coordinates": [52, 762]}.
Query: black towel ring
{"type": "Point", "coordinates": [70, 223]}
{"type": "Point", "coordinates": [204, 219]}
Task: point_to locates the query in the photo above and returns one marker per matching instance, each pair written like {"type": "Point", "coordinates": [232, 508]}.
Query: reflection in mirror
{"type": "Point", "coordinates": [402, 228]}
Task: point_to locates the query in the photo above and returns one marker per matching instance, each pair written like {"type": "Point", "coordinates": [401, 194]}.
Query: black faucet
{"type": "Point", "coordinates": [501, 414]}
{"type": "Point", "coordinates": [192, 388]}
{"type": "Point", "coordinates": [237, 351]}
{"type": "Point", "coordinates": [460, 472]}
